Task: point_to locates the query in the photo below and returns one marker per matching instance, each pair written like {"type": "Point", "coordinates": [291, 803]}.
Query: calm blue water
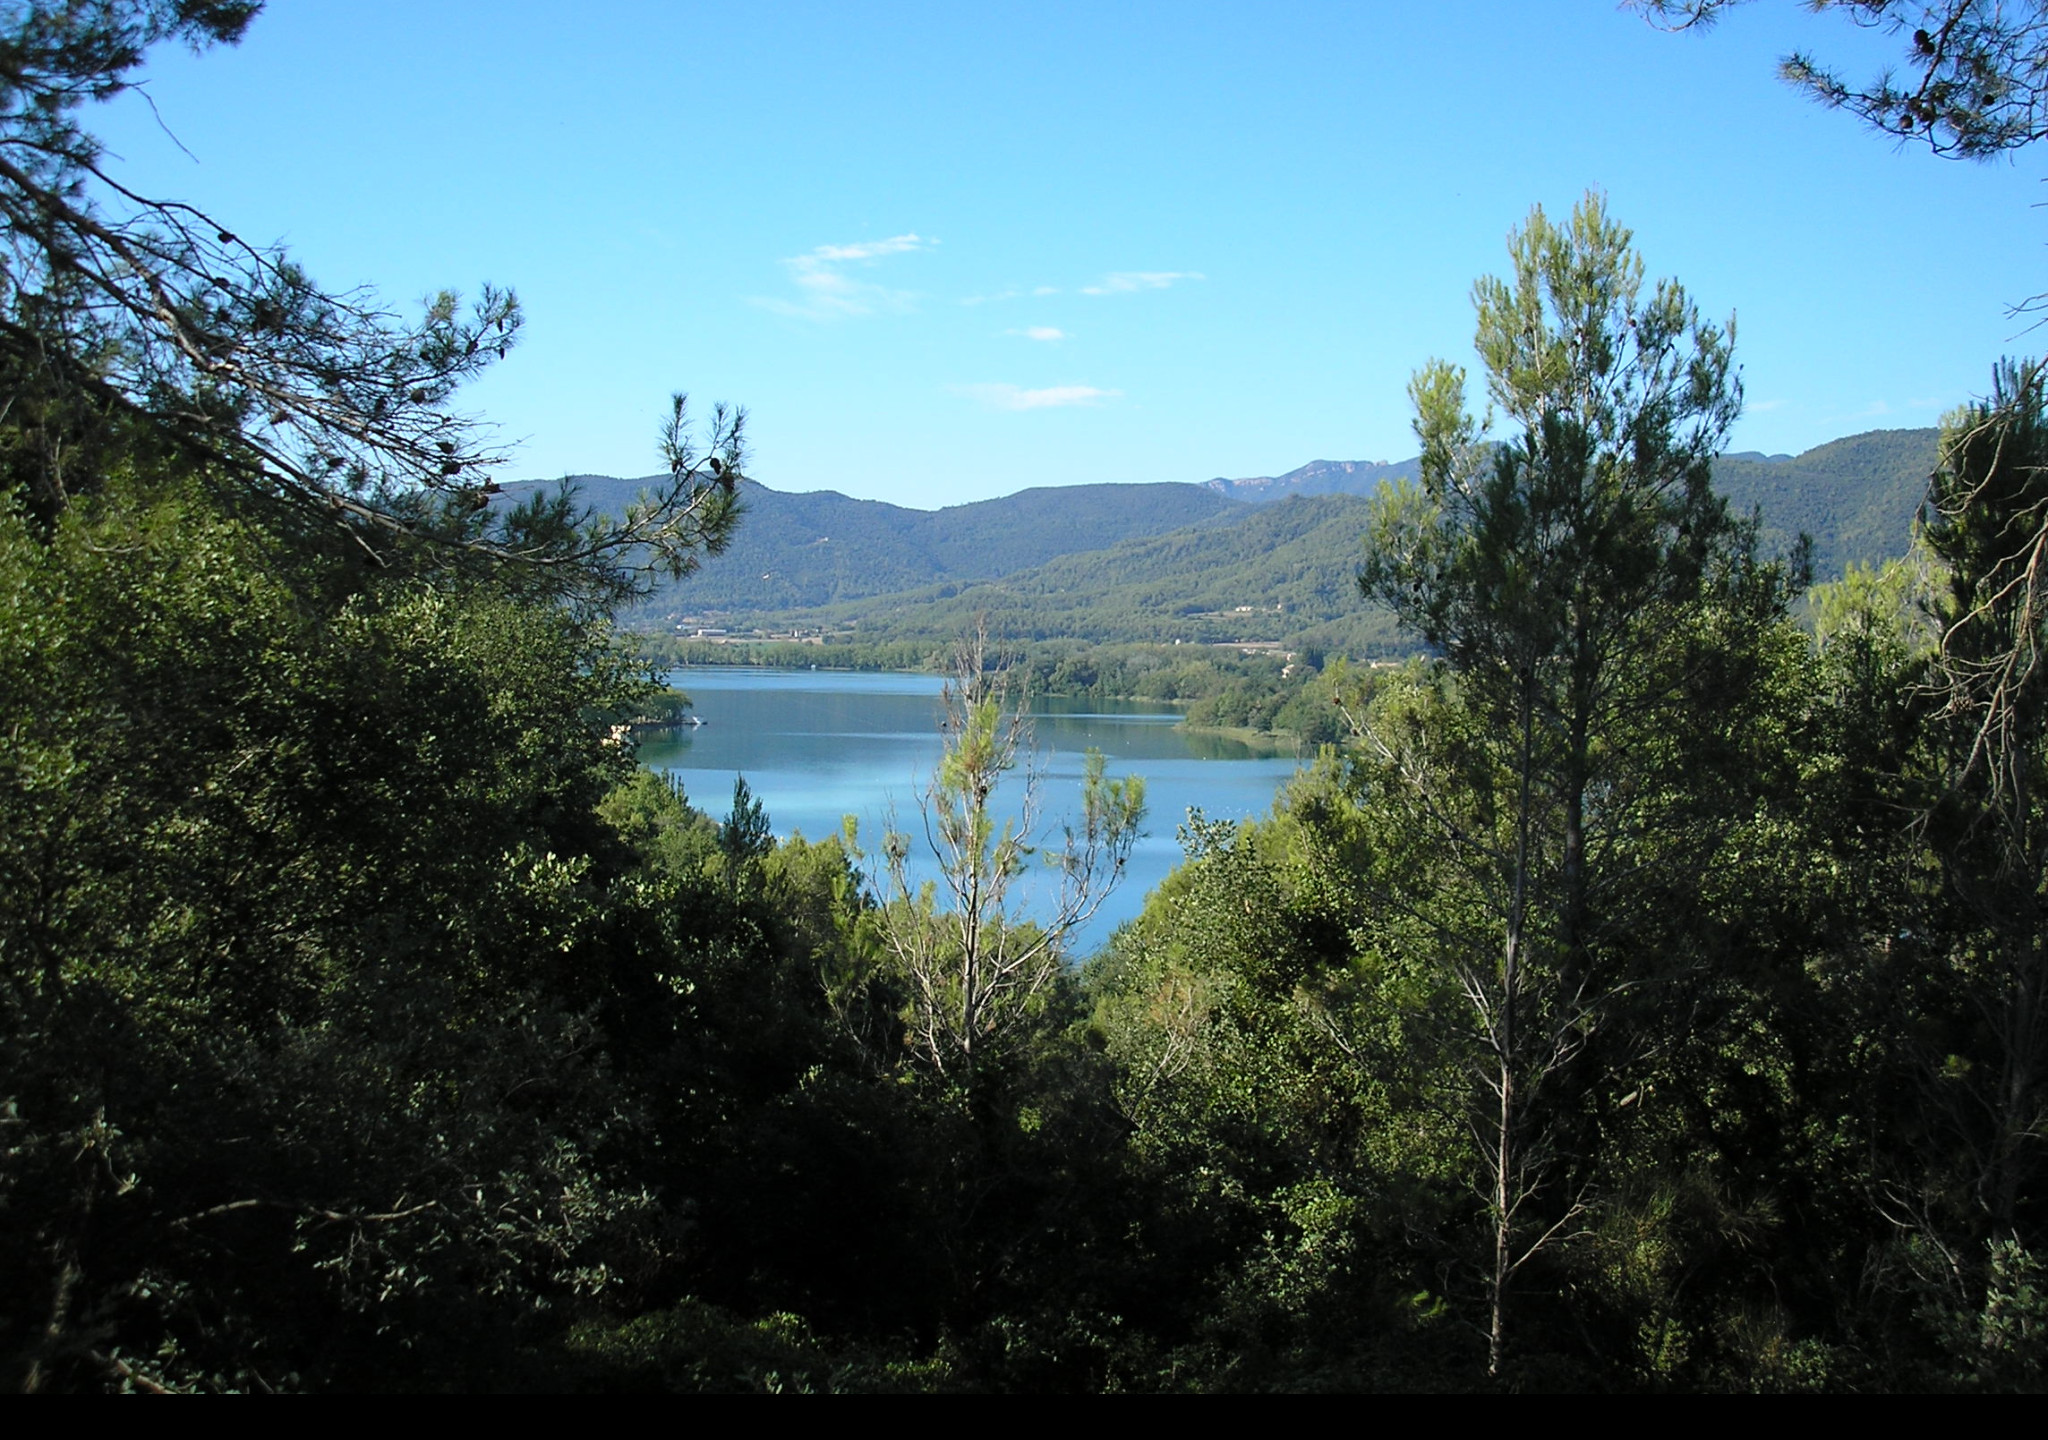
{"type": "Point", "coordinates": [816, 745]}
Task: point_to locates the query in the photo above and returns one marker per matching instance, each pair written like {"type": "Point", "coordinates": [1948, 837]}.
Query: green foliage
{"type": "Point", "coordinates": [372, 1021]}
{"type": "Point", "coordinates": [744, 837]}
{"type": "Point", "coordinates": [1283, 569]}
{"type": "Point", "coordinates": [297, 877]}
{"type": "Point", "coordinates": [1272, 572]}
{"type": "Point", "coordinates": [1600, 620]}
{"type": "Point", "coordinates": [2004, 1346]}
{"type": "Point", "coordinates": [1972, 85]}
{"type": "Point", "coordinates": [1268, 1068]}
{"type": "Point", "coordinates": [1855, 497]}
{"type": "Point", "coordinates": [694, 1348]}
{"type": "Point", "coordinates": [1967, 1174]}
{"type": "Point", "coordinates": [669, 651]}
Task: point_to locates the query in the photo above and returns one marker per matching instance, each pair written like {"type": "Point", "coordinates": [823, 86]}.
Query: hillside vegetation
{"type": "Point", "coordinates": [816, 548]}
{"type": "Point", "coordinates": [1165, 563]}
{"type": "Point", "coordinates": [1855, 496]}
{"type": "Point", "coordinates": [1269, 576]}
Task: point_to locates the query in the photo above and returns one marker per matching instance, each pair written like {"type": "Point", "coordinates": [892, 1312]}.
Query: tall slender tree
{"type": "Point", "coordinates": [1588, 599]}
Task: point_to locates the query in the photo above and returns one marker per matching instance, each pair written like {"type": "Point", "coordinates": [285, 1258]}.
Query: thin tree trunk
{"type": "Point", "coordinates": [1507, 1042]}
{"type": "Point", "coordinates": [2017, 1106]}
{"type": "Point", "coordinates": [1503, 1231]}
{"type": "Point", "coordinates": [2019, 1007]}
{"type": "Point", "coordinates": [1578, 765]}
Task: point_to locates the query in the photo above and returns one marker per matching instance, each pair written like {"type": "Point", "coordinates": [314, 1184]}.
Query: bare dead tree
{"type": "Point", "coordinates": [1989, 686]}
{"type": "Point", "coordinates": [1989, 503]}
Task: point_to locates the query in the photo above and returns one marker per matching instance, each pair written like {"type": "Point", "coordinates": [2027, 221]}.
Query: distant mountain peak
{"type": "Point", "coordinates": [1318, 477]}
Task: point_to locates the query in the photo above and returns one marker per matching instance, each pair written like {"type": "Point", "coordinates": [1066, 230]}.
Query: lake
{"type": "Point", "coordinates": [816, 745]}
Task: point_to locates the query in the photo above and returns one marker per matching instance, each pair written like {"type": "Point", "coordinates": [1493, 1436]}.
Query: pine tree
{"type": "Point", "coordinates": [1590, 603]}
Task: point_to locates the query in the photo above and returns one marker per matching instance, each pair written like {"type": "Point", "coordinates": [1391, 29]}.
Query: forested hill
{"type": "Point", "coordinates": [1185, 562]}
{"type": "Point", "coordinates": [799, 550]}
{"type": "Point", "coordinates": [1277, 571]}
{"type": "Point", "coordinates": [1855, 496]}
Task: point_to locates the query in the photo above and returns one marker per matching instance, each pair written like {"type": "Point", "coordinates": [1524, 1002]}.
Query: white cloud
{"type": "Point", "coordinates": [1040, 332]}
{"type": "Point", "coordinates": [1011, 292]}
{"type": "Point", "coordinates": [827, 292]}
{"type": "Point", "coordinates": [865, 250]}
{"type": "Point", "coordinates": [1123, 282]}
{"type": "Point", "coordinates": [1052, 397]}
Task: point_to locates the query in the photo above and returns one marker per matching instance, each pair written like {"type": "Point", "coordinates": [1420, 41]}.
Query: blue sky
{"type": "Point", "coordinates": [946, 252]}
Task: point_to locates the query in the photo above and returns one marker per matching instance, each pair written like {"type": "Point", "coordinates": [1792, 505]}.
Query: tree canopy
{"type": "Point", "coordinates": [122, 309]}
{"type": "Point", "coordinates": [1975, 72]}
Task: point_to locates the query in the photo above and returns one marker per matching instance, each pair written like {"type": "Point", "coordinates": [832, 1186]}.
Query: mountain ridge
{"type": "Point", "coordinates": [1285, 571]}
{"type": "Point", "coordinates": [796, 549]}
{"type": "Point", "coordinates": [1151, 557]}
{"type": "Point", "coordinates": [1318, 477]}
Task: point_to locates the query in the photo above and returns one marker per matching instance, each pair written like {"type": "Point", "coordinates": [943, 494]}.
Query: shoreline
{"type": "Point", "coordinates": [1266, 743]}
{"type": "Point", "coordinates": [1274, 744]}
